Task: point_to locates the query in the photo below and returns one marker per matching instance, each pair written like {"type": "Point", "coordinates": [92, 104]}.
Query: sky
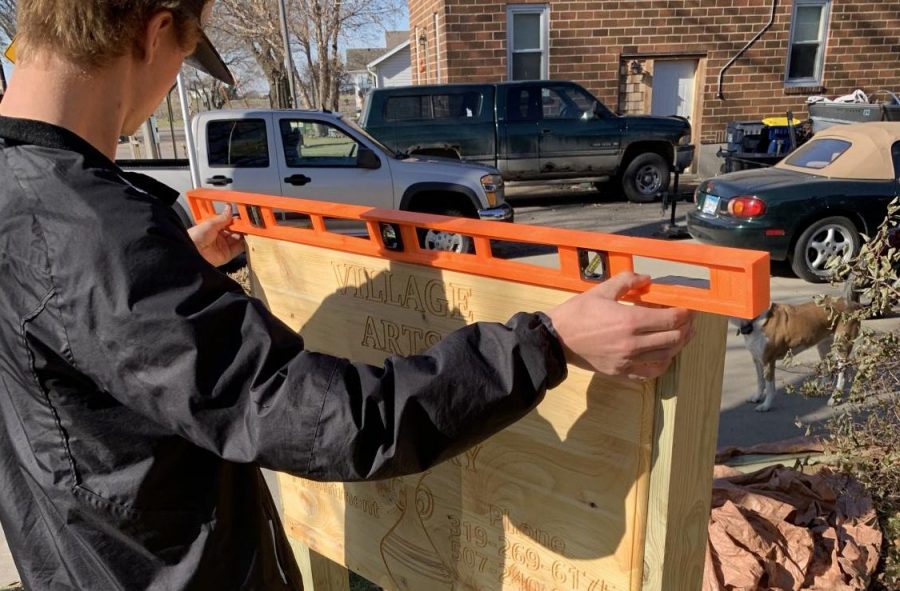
{"type": "Point", "coordinates": [375, 36]}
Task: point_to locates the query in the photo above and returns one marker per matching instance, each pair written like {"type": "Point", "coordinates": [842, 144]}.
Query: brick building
{"type": "Point", "coordinates": [665, 56]}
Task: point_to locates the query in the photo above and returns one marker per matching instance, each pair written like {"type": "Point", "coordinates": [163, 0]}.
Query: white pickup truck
{"type": "Point", "coordinates": [321, 155]}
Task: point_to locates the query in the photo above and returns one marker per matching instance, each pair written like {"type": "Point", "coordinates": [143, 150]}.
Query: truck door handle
{"type": "Point", "coordinates": [219, 181]}
{"type": "Point", "coordinates": [546, 131]}
{"type": "Point", "coordinates": [298, 180]}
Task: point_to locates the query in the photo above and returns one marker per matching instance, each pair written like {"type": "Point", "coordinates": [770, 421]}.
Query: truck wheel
{"type": "Point", "coordinates": [443, 241]}
{"type": "Point", "coordinates": [645, 177]}
{"type": "Point", "coordinates": [818, 244]}
{"type": "Point", "coordinates": [446, 241]}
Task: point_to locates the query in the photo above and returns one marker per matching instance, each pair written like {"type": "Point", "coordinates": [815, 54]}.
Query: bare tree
{"type": "Point", "coordinates": [254, 24]}
{"type": "Point", "coordinates": [7, 30]}
{"type": "Point", "coordinates": [212, 93]}
{"type": "Point", "coordinates": [319, 26]}
{"type": "Point", "coordinates": [7, 20]}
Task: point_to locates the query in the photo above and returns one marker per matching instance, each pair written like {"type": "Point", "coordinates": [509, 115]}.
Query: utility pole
{"type": "Point", "coordinates": [288, 59]}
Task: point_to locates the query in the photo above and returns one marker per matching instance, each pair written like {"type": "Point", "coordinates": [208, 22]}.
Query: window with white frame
{"type": "Point", "coordinates": [528, 41]}
{"type": "Point", "coordinates": [809, 32]}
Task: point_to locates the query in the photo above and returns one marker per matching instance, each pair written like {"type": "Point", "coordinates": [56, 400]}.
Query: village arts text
{"type": "Point", "coordinates": [428, 297]}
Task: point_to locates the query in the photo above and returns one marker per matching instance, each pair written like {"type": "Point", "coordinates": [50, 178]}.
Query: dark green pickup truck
{"type": "Point", "coordinates": [533, 131]}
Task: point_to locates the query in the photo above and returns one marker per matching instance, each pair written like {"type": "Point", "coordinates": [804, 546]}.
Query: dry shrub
{"type": "Point", "coordinates": [242, 276]}
{"type": "Point", "coordinates": [864, 433]}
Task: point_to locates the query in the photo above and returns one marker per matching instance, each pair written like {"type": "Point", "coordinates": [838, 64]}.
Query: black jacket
{"type": "Point", "coordinates": [141, 391]}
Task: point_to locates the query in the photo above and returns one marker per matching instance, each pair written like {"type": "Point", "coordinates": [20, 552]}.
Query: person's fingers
{"type": "Point", "coordinates": [223, 219]}
{"type": "Point", "coordinates": [649, 370]}
{"type": "Point", "coordinates": [656, 356]}
{"type": "Point", "coordinates": [669, 339]}
{"type": "Point", "coordinates": [650, 320]}
{"type": "Point", "coordinates": [617, 286]}
{"type": "Point", "coordinates": [236, 244]}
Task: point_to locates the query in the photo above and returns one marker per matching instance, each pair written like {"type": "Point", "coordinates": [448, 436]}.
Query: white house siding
{"type": "Point", "coordinates": [395, 70]}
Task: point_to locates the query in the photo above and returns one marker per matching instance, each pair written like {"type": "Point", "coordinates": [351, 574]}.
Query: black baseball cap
{"type": "Point", "coordinates": [205, 58]}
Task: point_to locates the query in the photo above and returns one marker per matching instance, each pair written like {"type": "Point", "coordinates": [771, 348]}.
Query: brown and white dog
{"type": "Point", "coordinates": [784, 329]}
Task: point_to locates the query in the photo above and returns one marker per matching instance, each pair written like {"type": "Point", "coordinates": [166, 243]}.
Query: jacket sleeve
{"type": "Point", "coordinates": [179, 342]}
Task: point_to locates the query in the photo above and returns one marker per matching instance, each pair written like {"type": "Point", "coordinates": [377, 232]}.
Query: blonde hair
{"type": "Point", "coordinates": [92, 32]}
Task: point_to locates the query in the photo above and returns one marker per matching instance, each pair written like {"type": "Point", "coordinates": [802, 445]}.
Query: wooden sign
{"type": "Point", "coordinates": [604, 487]}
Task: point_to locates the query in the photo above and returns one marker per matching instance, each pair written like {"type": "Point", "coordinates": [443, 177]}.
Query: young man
{"type": "Point", "coordinates": [141, 391]}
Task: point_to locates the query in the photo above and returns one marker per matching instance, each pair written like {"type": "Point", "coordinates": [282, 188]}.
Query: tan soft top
{"type": "Point", "coordinates": [869, 155]}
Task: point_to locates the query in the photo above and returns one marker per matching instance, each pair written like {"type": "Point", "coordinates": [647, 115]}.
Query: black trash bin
{"type": "Point", "coordinates": [735, 161]}
{"type": "Point", "coordinates": [748, 147]}
{"type": "Point", "coordinates": [745, 136]}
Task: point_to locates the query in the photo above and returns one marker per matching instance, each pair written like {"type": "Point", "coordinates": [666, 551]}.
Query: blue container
{"type": "Point", "coordinates": [779, 140]}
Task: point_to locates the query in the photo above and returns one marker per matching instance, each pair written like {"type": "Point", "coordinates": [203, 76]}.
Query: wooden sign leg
{"type": "Point", "coordinates": [319, 573]}
{"type": "Point", "coordinates": [686, 429]}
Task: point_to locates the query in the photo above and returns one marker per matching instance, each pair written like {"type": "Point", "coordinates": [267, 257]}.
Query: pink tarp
{"type": "Point", "coordinates": [781, 529]}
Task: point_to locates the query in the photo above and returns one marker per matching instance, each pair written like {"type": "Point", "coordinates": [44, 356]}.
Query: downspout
{"type": "Point", "coordinates": [437, 49]}
{"type": "Point", "coordinates": [730, 63]}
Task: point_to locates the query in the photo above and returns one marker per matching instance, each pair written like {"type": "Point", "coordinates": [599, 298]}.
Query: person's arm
{"type": "Point", "coordinates": [597, 332]}
{"type": "Point", "coordinates": [167, 335]}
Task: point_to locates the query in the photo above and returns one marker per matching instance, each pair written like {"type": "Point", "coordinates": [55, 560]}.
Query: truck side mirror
{"type": "Point", "coordinates": [597, 110]}
{"type": "Point", "coordinates": [366, 158]}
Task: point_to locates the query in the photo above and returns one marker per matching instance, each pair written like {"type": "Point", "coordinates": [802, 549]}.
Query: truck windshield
{"type": "Point", "coordinates": [366, 135]}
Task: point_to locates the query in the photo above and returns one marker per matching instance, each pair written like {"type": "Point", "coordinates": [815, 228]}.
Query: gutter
{"type": "Point", "coordinates": [730, 63]}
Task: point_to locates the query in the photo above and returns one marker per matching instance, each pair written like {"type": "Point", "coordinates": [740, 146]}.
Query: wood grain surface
{"type": "Point", "coordinates": [565, 500]}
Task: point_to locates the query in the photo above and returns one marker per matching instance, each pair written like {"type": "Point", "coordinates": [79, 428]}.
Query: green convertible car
{"type": "Point", "coordinates": [810, 207]}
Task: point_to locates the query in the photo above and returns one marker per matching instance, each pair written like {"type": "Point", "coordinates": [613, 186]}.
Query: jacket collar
{"type": "Point", "coordinates": [39, 133]}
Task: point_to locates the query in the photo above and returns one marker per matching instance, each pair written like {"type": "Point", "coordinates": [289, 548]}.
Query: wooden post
{"type": "Point", "coordinates": [319, 573]}
{"type": "Point", "coordinates": [685, 432]}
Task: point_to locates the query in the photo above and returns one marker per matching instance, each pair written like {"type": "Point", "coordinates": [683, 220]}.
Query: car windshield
{"type": "Point", "coordinates": [818, 154]}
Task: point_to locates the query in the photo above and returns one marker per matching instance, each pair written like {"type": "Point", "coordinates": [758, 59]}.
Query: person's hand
{"type": "Point", "coordinates": [214, 241]}
{"type": "Point", "coordinates": [600, 334]}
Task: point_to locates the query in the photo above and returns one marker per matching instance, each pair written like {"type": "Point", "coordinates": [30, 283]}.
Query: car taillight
{"type": "Point", "coordinates": [746, 206]}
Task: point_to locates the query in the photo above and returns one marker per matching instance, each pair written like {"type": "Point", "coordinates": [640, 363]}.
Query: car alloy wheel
{"type": "Point", "coordinates": [825, 240]}
{"type": "Point", "coordinates": [447, 242]}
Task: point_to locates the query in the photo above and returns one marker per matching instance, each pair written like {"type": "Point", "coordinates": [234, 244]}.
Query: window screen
{"type": "Point", "coordinates": [809, 30]}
